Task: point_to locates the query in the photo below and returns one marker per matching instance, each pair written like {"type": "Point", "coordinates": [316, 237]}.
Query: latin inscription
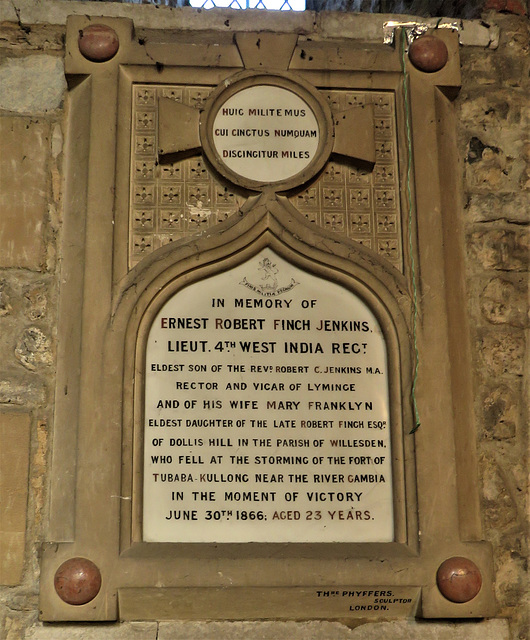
{"type": "Point", "coordinates": [265, 143]}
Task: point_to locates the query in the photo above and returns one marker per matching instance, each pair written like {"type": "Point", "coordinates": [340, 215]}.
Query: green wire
{"type": "Point", "coordinates": [412, 262]}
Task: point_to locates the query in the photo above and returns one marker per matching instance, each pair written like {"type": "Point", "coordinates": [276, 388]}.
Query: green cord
{"type": "Point", "coordinates": [412, 262]}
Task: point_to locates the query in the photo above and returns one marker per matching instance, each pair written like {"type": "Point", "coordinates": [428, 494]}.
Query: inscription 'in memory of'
{"type": "Point", "coordinates": [266, 412]}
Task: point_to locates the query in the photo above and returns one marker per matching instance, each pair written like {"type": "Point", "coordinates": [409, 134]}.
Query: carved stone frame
{"type": "Point", "coordinates": [105, 311]}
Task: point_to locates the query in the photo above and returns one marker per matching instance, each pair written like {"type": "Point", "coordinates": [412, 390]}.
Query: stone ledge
{"type": "Point", "coordinates": [357, 26]}
{"type": "Point", "coordinates": [397, 630]}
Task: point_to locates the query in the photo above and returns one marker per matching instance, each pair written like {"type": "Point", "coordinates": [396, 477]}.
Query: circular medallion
{"type": "Point", "coordinates": [267, 131]}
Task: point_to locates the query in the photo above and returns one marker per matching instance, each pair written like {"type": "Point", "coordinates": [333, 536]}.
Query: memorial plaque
{"type": "Point", "coordinates": [267, 412]}
{"type": "Point", "coordinates": [231, 371]}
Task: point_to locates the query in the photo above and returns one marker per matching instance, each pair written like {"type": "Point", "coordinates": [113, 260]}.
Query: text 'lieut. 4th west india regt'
{"type": "Point", "coordinates": [266, 412]}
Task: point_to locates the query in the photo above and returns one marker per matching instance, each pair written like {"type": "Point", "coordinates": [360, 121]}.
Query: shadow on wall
{"type": "Point", "coordinates": [426, 8]}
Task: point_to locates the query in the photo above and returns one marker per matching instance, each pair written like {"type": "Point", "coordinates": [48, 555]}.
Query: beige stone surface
{"type": "Point", "coordinates": [15, 37]}
{"type": "Point", "coordinates": [501, 249]}
{"type": "Point", "coordinates": [395, 630]}
{"type": "Point", "coordinates": [14, 628]}
{"type": "Point", "coordinates": [123, 631]}
{"type": "Point", "coordinates": [17, 391]}
{"type": "Point", "coordinates": [22, 191]}
{"type": "Point", "coordinates": [504, 352]}
{"type": "Point", "coordinates": [505, 302]}
{"type": "Point", "coordinates": [44, 74]}
{"type": "Point", "coordinates": [12, 546]}
{"type": "Point", "coordinates": [14, 457]}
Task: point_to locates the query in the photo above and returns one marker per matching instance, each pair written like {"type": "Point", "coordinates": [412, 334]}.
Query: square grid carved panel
{"type": "Point", "coordinates": [169, 201]}
{"type": "Point", "coordinates": [179, 200]}
{"type": "Point", "coordinates": [360, 204]}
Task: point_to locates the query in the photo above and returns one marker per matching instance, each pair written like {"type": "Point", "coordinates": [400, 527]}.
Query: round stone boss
{"type": "Point", "coordinates": [267, 130]}
{"type": "Point", "coordinates": [98, 42]}
{"type": "Point", "coordinates": [77, 581]}
{"type": "Point", "coordinates": [459, 579]}
{"type": "Point", "coordinates": [428, 54]}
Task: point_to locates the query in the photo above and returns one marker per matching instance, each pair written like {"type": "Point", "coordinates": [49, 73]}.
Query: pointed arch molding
{"type": "Point", "coordinates": [109, 303]}
{"type": "Point", "coordinates": [274, 224]}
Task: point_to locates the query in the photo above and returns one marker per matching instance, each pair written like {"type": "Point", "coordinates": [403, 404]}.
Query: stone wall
{"type": "Point", "coordinates": [31, 132]}
{"type": "Point", "coordinates": [494, 114]}
{"type": "Point", "coordinates": [493, 110]}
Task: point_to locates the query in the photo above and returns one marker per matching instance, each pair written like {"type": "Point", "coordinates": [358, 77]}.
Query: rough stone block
{"type": "Point", "coordinates": [515, 36]}
{"type": "Point", "coordinates": [396, 630]}
{"type": "Point", "coordinates": [510, 581]}
{"type": "Point", "coordinates": [14, 464]}
{"type": "Point", "coordinates": [501, 413]}
{"type": "Point", "coordinates": [18, 390]}
{"type": "Point", "coordinates": [512, 207]}
{"type": "Point", "coordinates": [22, 190]}
{"type": "Point", "coordinates": [44, 74]}
{"type": "Point", "coordinates": [36, 301]}
{"type": "Point", "coordinates": [5, 299]}
{"type": "Point", "coordinates": [510, 70]}
{"type": "Point", "coordinates": [500, 509]}
{"type": "Point", "coordinates": [488, 68]}
{"type": "Point", "coordinates": [490, 168]}
{"type": "Point", "coordinates": [503, 353]}
{"type": "Point", "coordinates": [504, 249]}
{"type": "Point", "coordinates": [14, 628]}
{"type": "Point", "coordinates": [33, 349]}
{"type": "Point", "coordinates": [505, 302]}
{"type": "Point", "coordinates": [44, 38]}
{"type": "Point", "coordinates": [488, 108]}
{"type": "Point", "coordinates": [481, 68]}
